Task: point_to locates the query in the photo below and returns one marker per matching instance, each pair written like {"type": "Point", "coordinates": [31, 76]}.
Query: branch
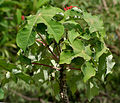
{"type": "Point", "coordinates": [55, 67]}
{"type": "Point", "coordinates": [105, 5]}
{"type": "Point", "coordinates": [114, 49]}
{"type": "Point", "coordinates": [8, 18]}
{"type": "Point", "coordinates": [47, 66]}
{"type": "Point", "coordinates": [75, 69]}
{"type": "Point", "coordinates": [27, 98]}
{"type": "Point", "coordinates": [48, 47]}
{"type": "Point", "coordinates": [72, 68]}
{"type": "Point", "coordinates": [114, 2]}
{"type": "Point", "coordinates": [108, 96]}
{"type": "Point", "coordinates": [118, 33]}
{"type": "Point", "coordinates": [38, 40]}
{"type": "Point", "coordinates": [63, 85]}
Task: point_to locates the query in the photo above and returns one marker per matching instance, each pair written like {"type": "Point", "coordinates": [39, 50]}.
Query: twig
{"type": "Point", "coordinates": [55, 67]}
{"type": "Point", "coordinates": [47, 66]}
{"type": "Point", "coordinates": [58, 51]}
{"type": "Point", "coordinates": [27, 98]}
{"type": "Point", "coordinates": [114, 2]}
{"type": "Point", "coordinates": [38, 40]}
{"type": "Point", "coordinates": [105, 5]}
{"type": "Point", "coordinates": [75, 69]}
{"type": "Point", "coordinates": [48, 47]}
{"type": "Point", "coordinates": [8, 18]}
{"type": "Point", "coordinates": [70, 67]}
{"type": "Point", "coordinates": [108, 96]}
{"type": "Point", "coordinates": [114, 49]}
{"type": "Point", "coordinates": [118, 33]}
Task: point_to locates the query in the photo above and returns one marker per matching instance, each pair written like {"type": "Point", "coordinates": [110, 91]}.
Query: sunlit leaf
{"type": "Point", "coordinates": [1, 94]}
{"type": "Point", "coordinates": [66, 57]}
{"type": "Point", "coordinates": [92, 90]}
{"type": "Point", "coordinates": [94, 22]}
{"type": "Point", "coordinates": [72, 35]}
{"type": "Point", "coordinates": [109, 63]}
{"type": "Point", "coordinates": [6, 66]}
{"type": "Point", "coordinates": [88, 71]}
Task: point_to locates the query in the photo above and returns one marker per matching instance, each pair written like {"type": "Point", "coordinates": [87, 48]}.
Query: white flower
{"type": "Point", "coordinates": [75, 16]}
{"type": "Point", "coordinates": [61, 14]}
{"type": "Point", "coordinates": [67, 18]}
{"type": "Point", "coordinates": [15, 71]}
{"type": "Point", "coordinates": [8, 75]}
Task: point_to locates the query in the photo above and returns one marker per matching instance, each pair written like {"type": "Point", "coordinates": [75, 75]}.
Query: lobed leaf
{"type": "Point", "coordinates": [92, 90]}
{"type": "Point", "coordinates": [26, 37]}
{"type": "Point", "coordinates": [72, 35]}
{"type": "Point", "coordinates": [1, 94]}
{"type": "Point", "coordinates": [109, 64]}
{"type": "Point", "coordinates": [88, 71]}
{"type": "Point", "coordinates": [6, 66]}
{"type": "Point", "coordinates": [94, 22]}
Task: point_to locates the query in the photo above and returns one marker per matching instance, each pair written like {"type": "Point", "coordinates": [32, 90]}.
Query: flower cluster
{"type": "Point", "coordinates": [23, 17]}
{"type": "Point", "coordinates": [67, 8]}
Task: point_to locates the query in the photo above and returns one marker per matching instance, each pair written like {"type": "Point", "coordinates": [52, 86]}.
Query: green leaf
{"type": "Point", "coordinates": [77, 62]}
{"type": "Point", "coordinates": [109, 63]}
{"type": "Point", "coordinates": [88, 50]}
{"type": "Point", "coordinates": [72, 13]}
{"type": "Point", "coordinates": [88, 71]}
{"type": "Point", "coordinates": [102, 33]}
{"type": "Point", "coordinates": [26, 36]}
{"type": "Point", "coordinates": [77, 45]}
{"type": "Point", "coordinates": [18, 14]}
{"type": "Point", "coordinates": [82, 54]}
{"type": "Point", "coordinates": [72, 79]}
{"type": "Point", "coordinates": [1, 94]}
{"type": "Point", "coordinates": [42, 2]}
{"type": "Point", "coordinates": [6, 66]}
{"type": "Point", "coordinates": [94, 22]}
{"type": "Point", "coordinates": [56, 87]}
{"type": "Point", "coordinates": [24, 59]}
{"type": "Point", "coordinates": [1, 1]}
{"type": "Point", "coordinates": [24, 77]}
{"type": "Point", "coordinates": [100, 49]}
{"type": "Point", "coordinates": [55, 30]}
{"type": "Point", "coordinates": [105, 65]}
{"type": "Point", "coordinates": [72, 35]}
{"type": "Point", "coordinates": [102, 67]}
{"type": "Point", "coordinates": [79, 49]}
{"type": "Point", "coordinates": [92, 90]}
{"type": "Point", "coordinates": [45, 72]}
{"type": "Point", "coordinates": [87, 35]}
{"type": "Point", "coordinates": [66, 57]}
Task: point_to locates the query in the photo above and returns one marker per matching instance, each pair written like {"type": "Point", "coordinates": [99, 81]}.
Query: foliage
{"type": "Point", "coordinates": [62, 34]}
{"type": "Point", "coordinates": [78, 47]}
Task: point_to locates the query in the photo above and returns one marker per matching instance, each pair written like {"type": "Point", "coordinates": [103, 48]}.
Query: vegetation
{"type": "Point", "coordinates": [51, 55]}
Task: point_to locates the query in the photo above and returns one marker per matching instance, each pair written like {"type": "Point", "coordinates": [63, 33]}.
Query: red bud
{"type": "Point", "coordinates": [23, 17]}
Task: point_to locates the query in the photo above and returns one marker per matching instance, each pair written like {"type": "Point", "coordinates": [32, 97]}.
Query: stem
{"type": "Point", "coordinates": [47, 66]}
{"type": "Point", "coordinates": [55, 67]}
{"type": "Point", "coordinates": [48, 47]}
{"type": "Point", "coordinates": [105, 5]}
{"type": "Point", "coordinates": [114, 2]}
{"type": "Point", "coordinates": [26, 97]}
{"type": "Point", "coordinates": [38, 40]}
{"type": "Point", "coordinates": [63, 86]}
{"type": "Point", "coordinates": [75, 69]}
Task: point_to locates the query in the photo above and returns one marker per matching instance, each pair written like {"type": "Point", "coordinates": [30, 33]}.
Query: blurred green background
{"type": "Point", "coordinates": [10, 20]}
